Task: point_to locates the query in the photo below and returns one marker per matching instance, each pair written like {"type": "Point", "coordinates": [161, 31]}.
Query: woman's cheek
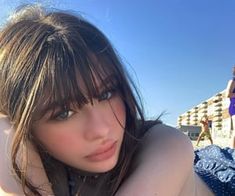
{"type": "Point", "coordinates": [59, 140]}
{"type": "Point", "coordinates": [120, 111]}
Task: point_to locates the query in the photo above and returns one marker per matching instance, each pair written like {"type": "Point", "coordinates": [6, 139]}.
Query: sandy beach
{"type": "Point", "coordinates": [222, 142]}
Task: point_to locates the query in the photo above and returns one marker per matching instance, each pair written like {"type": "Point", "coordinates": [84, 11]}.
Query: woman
{"type": "Point", "coordinates": [72, 118]}
{"type": "Point", "coordinates": [230, 93]}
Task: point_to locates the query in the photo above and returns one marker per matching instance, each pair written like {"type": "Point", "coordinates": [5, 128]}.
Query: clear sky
{"type": "Point", "coordinates": [179, 52]}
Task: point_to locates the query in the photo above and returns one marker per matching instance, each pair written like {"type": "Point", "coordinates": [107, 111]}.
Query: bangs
{"type": "Point", "coordinates": [74, 80]}
{"type": "Point", "coordinates": [78, 64]}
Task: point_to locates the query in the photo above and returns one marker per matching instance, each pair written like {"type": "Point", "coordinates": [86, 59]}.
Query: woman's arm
{"type": "Point", "coordinates": [230, 88]}
{"type": "Point", "coordinates": [36, 173]}
{"type": "Point", "coordinates": [8, 185]}
{"type": "Point", "coordinates": [164, 165]}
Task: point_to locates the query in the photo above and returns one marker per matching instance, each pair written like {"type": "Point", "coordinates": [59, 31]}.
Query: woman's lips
{"type": "Point", "coordinates": [103, 153]}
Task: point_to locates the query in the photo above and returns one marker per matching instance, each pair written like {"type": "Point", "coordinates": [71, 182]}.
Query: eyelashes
{"type": "Point", "coordinates": [63, 113]}
{"type": "Point", "coordinates": [107, 94]}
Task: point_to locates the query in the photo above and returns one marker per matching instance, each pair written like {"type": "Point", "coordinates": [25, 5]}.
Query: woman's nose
{"type": "Point", "coordinates": [97, 124]}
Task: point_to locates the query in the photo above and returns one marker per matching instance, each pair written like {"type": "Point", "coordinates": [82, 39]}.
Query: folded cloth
{"type": "Point", "coordinates": [216, 167]}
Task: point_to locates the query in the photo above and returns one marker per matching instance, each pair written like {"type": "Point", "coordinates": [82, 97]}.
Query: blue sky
{"type": "Point", "coordinates": [179, 52]}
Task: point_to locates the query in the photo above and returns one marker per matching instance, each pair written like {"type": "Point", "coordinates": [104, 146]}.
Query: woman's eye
{"type": "Point", "coordinates": [63, 115]}
{"type": "Point", "coordinates": [106, 95]}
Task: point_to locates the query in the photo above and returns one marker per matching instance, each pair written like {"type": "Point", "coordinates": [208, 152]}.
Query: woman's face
{"type": "Point", "coordinates": [87, 138]}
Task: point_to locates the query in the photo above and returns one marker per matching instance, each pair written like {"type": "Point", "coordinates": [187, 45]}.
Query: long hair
{"type": "Point", "coordinates": [44, 57]}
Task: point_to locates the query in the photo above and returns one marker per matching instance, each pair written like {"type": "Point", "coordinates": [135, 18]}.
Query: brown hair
{"type": "Point", "coordinates": [51, 51]}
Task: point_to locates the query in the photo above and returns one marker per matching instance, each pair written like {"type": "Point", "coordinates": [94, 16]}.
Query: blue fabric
{"type": "Point", "coordinates": [216, 167]}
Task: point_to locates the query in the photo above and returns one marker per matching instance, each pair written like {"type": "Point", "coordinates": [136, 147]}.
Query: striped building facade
{"type": "Point", "coordinates": [216, 108]}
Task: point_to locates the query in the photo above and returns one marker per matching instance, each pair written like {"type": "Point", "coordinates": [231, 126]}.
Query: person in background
{"type": "Point", "coordinates": [205, 130]}
{"type": "Point", "coordinates": [230, 93]}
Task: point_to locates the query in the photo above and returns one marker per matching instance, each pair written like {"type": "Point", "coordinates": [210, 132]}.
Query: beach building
{"type": "Point", "coordinates": [216, 108]}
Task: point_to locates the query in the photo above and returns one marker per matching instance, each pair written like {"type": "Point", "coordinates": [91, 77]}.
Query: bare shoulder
{"type": "Point", "coordinates": [164, 131]}
{"type": "Point", "coordinates": [165, 159]}
{"type": "Point", "coordinates": [167, 139]}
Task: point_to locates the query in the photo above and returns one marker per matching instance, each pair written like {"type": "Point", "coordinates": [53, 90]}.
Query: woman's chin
{"type": "Point", "coordinates": [102, 167]}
